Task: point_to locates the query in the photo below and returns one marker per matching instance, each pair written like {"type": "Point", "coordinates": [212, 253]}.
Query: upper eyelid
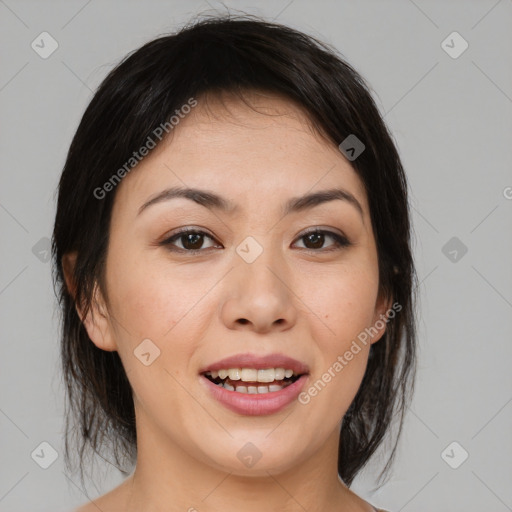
{"type": "Point", "coordinates": [202, 232]}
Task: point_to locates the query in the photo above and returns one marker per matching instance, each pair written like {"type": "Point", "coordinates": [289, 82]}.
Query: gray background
{"type": "Point", "coordinates": [452, 120]}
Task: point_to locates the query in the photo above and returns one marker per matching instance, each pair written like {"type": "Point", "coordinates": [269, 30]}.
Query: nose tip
{"type": "Point", "coordinates": [258, 298]}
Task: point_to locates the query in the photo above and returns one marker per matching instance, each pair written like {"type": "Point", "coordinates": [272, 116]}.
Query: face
{"type": "Point", "coordinates": [256, 278]}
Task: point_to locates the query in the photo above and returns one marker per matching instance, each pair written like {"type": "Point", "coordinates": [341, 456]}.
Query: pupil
{"type": "Point", "coordinates": [316, 238]}
{"type": "Point", "coordinates": [193, 238]}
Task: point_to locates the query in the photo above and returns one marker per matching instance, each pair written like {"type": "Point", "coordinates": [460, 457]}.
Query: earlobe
{"type": "Point", "coordinates": [68, 264]}
{"type": "Point", "coordinates": [96, 320]}
{"type": "Point", "coordinates": [382, 308]}
{"type": "Point", "coordinates": [97, 323]}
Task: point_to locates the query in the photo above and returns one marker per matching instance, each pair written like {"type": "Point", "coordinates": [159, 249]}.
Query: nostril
{"type": "Point", "coordinates": [243, 321]}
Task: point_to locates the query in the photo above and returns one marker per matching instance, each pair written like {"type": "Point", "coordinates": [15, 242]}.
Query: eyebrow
{"type": "Point", "coordinates": [213, 201]}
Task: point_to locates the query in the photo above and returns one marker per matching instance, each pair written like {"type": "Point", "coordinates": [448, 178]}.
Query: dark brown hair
{"type": "Point", "coordinates": [226, 55]}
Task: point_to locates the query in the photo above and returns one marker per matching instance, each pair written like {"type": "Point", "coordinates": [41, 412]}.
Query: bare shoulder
{"type": "Point", "coordinates": [97, 504]}
{"type": "Point", "coordinates": [88, 507]}
{"type": "Point", "coordinates": [105, 504]}
{"type": "Point", "coordinates": [113, 501]}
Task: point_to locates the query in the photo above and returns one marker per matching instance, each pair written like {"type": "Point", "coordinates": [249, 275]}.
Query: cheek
{"type": "Point", "coordinates": [151, 303]}
{"type": "Point", "coordinates": [344, 301]}
{"type": "Point", "coordinates": [152, 299]}
{"type": "Point", "coordinates": [169, 305]}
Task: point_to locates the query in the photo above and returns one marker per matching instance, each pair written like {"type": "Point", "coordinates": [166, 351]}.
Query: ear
{"type": "Point", "coordinates": [97, 320]}
{"type": "Point", "coordinates": [382, 307]}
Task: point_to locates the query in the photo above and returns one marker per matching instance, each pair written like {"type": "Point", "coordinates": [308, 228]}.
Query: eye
{"type": "Point", "coordinates": [192, 240]}
{"type": "Point", "coordinates": [316, 238]}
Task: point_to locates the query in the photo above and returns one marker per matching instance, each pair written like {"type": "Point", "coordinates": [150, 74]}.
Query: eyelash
{"type": "Point", "coordinates": [340, 242]}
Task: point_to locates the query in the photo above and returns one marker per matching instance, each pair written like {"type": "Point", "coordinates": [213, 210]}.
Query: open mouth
{"type": "Point", "coordinates": [251, 381]}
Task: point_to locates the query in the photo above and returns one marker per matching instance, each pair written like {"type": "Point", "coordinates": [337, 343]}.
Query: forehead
{"type": "Point", "coordinates": [263, 145]}
{"type": "Point", "coordinates": [250, 125]}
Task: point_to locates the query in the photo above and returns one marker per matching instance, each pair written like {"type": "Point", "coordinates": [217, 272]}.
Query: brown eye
{"type": "Point", "coordinates": [191, 240]}
{"type": "Point", "coordinates": [314, 240]}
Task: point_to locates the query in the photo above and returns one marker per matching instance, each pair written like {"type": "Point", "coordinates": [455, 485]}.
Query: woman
{"type": "Point", "coordinates": [232, 255]}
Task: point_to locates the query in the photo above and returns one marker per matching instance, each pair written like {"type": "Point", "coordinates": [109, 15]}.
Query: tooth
{"type": "Point", "coordinates": [275, 387]}
{"type": "Point", "coordinates": [267, 375]}
{"type": "Point", "coordinates": [228, 386]}
{"type": "Point", "coordinates": [262, 389]}
{"type": "Point", "coordinates": [241, 389]}
{"type": "Point", "coordinates": [249, 374]}
{"type": "Point", "coordinates": [234, 373]}
{"type": "Point", "coordinates": [252, 374]}
{"type": "Point", "coordinates": [279, 373]}
{"type": "Point", "coordinates": [252, 390]}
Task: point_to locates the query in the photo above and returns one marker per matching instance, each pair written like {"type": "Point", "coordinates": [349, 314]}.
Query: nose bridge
{"type": "Point", "coordinates": [257, 290]}
{"type": "Point", "coordinates": [260, 266]}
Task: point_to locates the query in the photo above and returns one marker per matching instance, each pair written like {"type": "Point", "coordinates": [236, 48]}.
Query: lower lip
{"type": "Point", "coordinates": [256, 404]}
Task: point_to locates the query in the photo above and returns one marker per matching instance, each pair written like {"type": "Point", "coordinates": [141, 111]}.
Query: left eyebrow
{"type": "Point", "coordinates": [213, 201]}
{"type": "Point", "coordinates": [307, 201]}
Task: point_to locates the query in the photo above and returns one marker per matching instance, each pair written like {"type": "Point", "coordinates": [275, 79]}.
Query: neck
{"type": "Point", "coordinates": [168, 478]}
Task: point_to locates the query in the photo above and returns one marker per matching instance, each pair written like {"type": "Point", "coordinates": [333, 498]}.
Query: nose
{"type": "Point", "coordinates": [259, 296]}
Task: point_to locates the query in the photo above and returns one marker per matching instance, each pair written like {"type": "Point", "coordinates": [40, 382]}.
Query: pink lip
{"type": "Point", "coordinates": [258, 362]}
{"type": "Point", "coordinates": [257, 404]}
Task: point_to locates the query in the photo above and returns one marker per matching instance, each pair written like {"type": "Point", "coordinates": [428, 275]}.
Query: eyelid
{"type": "Point", "coordinates": [341, 241]}
{"type": "Point", "coordinates": [166, 241]}
{"type": "Point", "coordinates": [321, 229]}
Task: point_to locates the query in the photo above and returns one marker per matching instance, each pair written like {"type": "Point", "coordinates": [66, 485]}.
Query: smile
{"type": "Point", "coordinates": [253, 398]}
{"type": "Point", "coordinates": [252, 380]}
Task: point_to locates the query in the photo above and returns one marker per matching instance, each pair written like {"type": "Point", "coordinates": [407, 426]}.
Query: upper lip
{"type": "Point", "coordinates": [259, 362]}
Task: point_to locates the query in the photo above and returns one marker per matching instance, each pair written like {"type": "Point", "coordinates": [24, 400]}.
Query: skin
{"type": "Point", "coordinates": [192, 307]}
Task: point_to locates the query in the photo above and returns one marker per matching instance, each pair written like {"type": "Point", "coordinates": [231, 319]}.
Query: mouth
{"type": "Point", "coordinates": [253, 381]}
{"type": "Point", "coordinates": [253, 391]}
{"type": "Point", "coordinates": [251, 384]}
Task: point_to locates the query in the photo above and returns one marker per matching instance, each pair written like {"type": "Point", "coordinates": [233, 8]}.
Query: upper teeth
{"type": "Point", "coordinates": [252, 375]}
